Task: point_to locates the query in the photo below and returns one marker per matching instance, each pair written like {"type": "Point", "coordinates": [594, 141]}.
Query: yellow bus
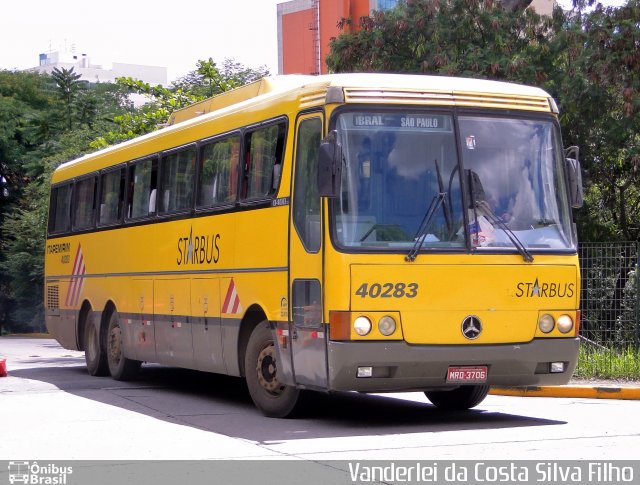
{"type": "Point", "coordinates": [351, 232]}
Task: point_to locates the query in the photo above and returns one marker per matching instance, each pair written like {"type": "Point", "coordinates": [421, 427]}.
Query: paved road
{"type": "Point", "coordinates": [50, 408]}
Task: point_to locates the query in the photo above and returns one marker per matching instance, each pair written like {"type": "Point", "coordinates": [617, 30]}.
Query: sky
{"type": "Point", "coordinates": [173, 35]}
{"type": "Point", "coordinates": [169, 34]}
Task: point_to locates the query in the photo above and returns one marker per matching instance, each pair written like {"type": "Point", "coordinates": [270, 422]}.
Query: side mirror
{"type": "Point", "coordinates": [329, 166]}
{"type": "Point", "coordinates": [574, 173]}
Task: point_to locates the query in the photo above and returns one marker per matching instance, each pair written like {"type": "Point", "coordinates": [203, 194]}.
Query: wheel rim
{"type": "Point", "coordinates": [267, 371]}
{"type": "Point", "coordinates": [115, 344]}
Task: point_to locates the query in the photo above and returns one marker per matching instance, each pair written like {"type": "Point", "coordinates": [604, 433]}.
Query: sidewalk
{"type": "Point", "coordinates": [577, 388]}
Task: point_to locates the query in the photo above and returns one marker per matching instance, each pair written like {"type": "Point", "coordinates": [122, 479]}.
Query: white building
{"type": "Point", "coordinates": [95, 73]}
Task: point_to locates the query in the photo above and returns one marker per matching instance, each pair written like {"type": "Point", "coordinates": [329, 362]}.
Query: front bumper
{"type": "Point", "coordinates": [398, 366]}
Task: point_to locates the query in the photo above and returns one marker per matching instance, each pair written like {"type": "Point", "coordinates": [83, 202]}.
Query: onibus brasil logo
{"type": "Point", "coordinates": [37, 474]}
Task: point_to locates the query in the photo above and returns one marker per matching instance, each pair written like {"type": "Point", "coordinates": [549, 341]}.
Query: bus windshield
{"type": "Point", "coordinates": [402, 183]}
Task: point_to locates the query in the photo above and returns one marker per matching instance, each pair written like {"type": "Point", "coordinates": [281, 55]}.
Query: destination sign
{"type": "Point", "coordinates": [409, 121]}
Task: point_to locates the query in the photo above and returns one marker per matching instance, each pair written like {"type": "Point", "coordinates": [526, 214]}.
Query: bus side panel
{"type": "Point", "coordinates": [206, 328]}
{"type": "Point", "coordinates": [172, 302]}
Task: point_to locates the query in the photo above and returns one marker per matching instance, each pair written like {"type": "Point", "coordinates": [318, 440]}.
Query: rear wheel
{"type": "Point", "coordinates": [94, 353]}
{"type": "Point", "coordinates": [270, 396]}
{"type": "Point", "coordinates": [464, 397]}
{"type": "Point", "coordinates": [120, 367]}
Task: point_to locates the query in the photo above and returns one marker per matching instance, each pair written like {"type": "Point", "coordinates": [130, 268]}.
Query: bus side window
{"type": "Point", "coordinates": [263, 166]}
{"type": "Point", "coordinates": [111, 197]}
{"type": "Point", "coordinates": [84, 203]}
{"type": "Point", "coordinates": [142, 181]}
{"type": "Point", "coordinates": [178, 171]}
{"type": "Point", "coordinates": [219, 172]}
{"type": "Point", "coordinates": [60, 209]}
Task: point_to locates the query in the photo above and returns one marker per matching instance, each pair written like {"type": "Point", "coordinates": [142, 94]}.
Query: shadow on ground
{"type": "Point", "coordinates": [221, 404]}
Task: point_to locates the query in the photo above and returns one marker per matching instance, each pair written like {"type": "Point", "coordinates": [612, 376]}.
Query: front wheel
{"type": "Point", "coordinates": [270, 396]}
{"type": "Point", "coordinates": [120, 367]}
{"type": "Point", "coordinates": [464, 397]}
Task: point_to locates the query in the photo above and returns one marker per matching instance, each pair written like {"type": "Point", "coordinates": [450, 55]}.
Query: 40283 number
{"type": "Point", "coordinates": [387, 290]}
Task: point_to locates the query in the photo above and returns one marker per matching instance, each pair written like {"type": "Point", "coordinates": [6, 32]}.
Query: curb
{"type": "Point", "coordinates": [590, 392]}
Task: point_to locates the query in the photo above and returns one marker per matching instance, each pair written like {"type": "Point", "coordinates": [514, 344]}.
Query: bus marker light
{"type": "Point", "coordinates": [362, 326]}
{"type": "Point", "coordinates": [565, 324]}
{"type": "Point", "coordinates": [365, 371]}
{"type": "Point", "coordinates": [339, 325]}
{"type": "Point", "coordinates": [556, 367]}
{"type": "Point", "coordinates": [546, 323]}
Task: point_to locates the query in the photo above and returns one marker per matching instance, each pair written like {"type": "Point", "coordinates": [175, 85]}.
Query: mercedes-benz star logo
{"type": "Point", "coordinates": [471, 327]}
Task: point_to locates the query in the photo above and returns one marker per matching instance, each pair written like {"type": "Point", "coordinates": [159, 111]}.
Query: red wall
{"type": "Point", "coordinates": [298, 54]}
{"type": "Point", "coordinates": [297, 43]}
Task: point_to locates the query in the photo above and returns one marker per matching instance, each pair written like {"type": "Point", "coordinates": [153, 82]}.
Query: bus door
{"type": "Point", "coordinates": [308, 335]}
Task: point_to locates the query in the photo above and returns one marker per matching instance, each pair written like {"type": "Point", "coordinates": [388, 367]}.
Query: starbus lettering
{"type": "Point", "coordinates": [198, 249]}
{"type": "Point", "coordinates": [545, 290]}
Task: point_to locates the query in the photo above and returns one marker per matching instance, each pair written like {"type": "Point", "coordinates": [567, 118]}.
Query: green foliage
{"type": "Point", "coordinates": [604, 363]}
{"type": "Point", "coordinates": [68, 85]}
{"type": "Point", "coordinates": [455, 38]}
{"type": "Point", "coordinates": [205, 81]}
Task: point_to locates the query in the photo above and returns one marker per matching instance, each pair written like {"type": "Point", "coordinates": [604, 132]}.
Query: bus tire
{"type": "Point", "coordinates": [94, 353]}
{"type": "Point", "coordinates": [120, 367]}
{"type": "Point", "coordinates": [464, 397]}
{"type": "Point", "coordinates": [271, 397]}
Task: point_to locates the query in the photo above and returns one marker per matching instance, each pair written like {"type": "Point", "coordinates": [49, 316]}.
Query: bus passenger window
{"type": "Point", "coordinates": [111, 197]}
{"type": "Point", "coordinates": [60, 212]}
{"type": "Point", "coordinates": [83, 204]}
{"type": "Point", "coordinates": [142, 181]}
{"type": "Point", "coordinates": [219, 172]}
{"type": "Point", "coordinates": [178, 170]}
{"type": "Point", "coordinates": [265, 149]}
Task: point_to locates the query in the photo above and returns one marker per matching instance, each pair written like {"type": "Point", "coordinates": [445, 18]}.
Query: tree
{"type": "Point", "coordinates": [203, 82]}
{"type": "Point", "coordinates": [68, 85]}
{"type": "Point", "coordinates": [599, 93]}
{"type": "Point", "coordinates": [32, 143]}
{"type": "Point", "coordinates": [448, 37]}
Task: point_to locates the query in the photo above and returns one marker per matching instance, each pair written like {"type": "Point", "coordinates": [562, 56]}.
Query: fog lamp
{"type": "Point", "coordinates": [556, 367]}
{"type": "Point", "coordinates": [365, 371]}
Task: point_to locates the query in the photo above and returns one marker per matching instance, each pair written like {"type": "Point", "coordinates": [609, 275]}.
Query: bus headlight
{"type": "Point", "coordinates": [362, 326]}
{"type": "Point", "coordinates": [565, 323]}
{"type": "Point", "coordinates": [387, 325]}
{"type": "Point", "coordinates": [546, 323]}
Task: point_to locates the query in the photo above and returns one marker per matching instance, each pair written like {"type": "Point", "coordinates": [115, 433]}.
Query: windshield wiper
{"type": "Point", "coordinates": [497, 221]}
{"type": "Point", "coordinates": [421, 235]}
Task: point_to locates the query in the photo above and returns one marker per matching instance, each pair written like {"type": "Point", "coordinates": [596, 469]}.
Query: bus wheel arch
{"type": "Point", "coordinates": [252, 318]}
{"type": "Point", "coordinates": [271, 396]}
{"type": "Point", "coordinates": [120, 367]}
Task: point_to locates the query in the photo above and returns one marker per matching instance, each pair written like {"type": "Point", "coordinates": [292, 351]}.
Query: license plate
{"type": "Point", "coordinates": [475, 374]}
